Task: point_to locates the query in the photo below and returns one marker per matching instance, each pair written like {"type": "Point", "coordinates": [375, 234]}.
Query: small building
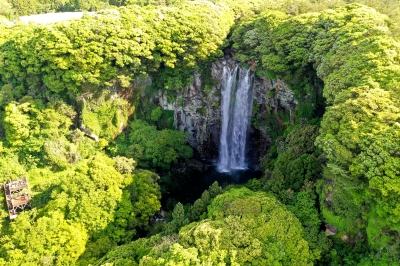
{"type": "Point", "coordinates": [17, 196]}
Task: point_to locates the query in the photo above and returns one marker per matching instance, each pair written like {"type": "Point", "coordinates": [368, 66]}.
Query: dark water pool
{"type": "Point", "coordinates": [239, 176]}
{"type": "Point", "coordinates": [187, 187]}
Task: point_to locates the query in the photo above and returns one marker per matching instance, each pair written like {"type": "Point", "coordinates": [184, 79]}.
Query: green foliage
{"type": "Point", "coordinates": [49, 240]}
{"type": "Point", "coordinates": [282, 53]}
{"type": "Point", "coordinates": [202, 111]}
{"type": "Point", "coordinates": [152, 113]}
{"type": "Point", "coordinates": [85, 202]}
{"type": "Point", "coordinates": [130, 254]}
{"type": "Point", "coordinates": [291, 177]}
{"type": "Point", "coordinates": [140, 200]}
{"type": "Point", "coordinates": [114, 46]}
{"type": "Point", "coordinates": [10, 167]}
{"type": "Point", "coordinates": [296, 162]}
{"type": "Point", "coordinates": [32, 128]}
{"type": "Point", "coordinates": [153, 148]}
{"type": "Point", "coordinates": [6, 8]}
{"type": "Point", "coordinates": [378, 164]}
{"type": "Point", "coordinates": [270, 235]}
{"type": "Point", "coordinates": [145, 193]}
{"type": "Point", "coordinates": [23, 8]}
{"type": "Point", "coordinates": [124, 165]}
{"type": "Point", "coordinates": [17, 124]}
{"type": "Point", "coordinates": [298, 7]}
{"type": "Point", "coordinates": [360, 143]}
{"type": "Point", "coordinates": [350, 49]}
{"type": "Point", "coordinates": [133, 252]}
{"type": "Point", "coordinates": [89, 193]}
{"type": "Point", "coordinates": [105, 117]}
{"type": "Point", "coordinates": [239, 234]}
{"type": "Point", "coordinates": [178, 219]}
{"type": "Point", "coordinates": [305, 209]}
{"type": "Point", "coordinates": [156, 114]}
{"type": "Point", "coordinates": [91, 204]}
{"type": "Point", "coordinates": [357, 114]}
{"type": "Point", "coordinates": [378, 259]}
{"type": "Point", "coordinates": [194, 212]}
{"type": "Point", "coordinates": [361, 54]}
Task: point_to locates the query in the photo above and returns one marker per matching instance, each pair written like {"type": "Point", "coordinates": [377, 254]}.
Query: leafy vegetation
{"type": "Point", "coordinates": [76, 119]}
{"type": "Point", "coordinates": [150, 147]}
{"type": "Point", "coordinates": [351, 50]}
{"type": "Point", "coordinates": [242, 227]}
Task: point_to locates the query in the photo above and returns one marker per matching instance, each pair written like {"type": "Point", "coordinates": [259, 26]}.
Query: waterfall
{"type": "Point", "coordinates": [236, 107]}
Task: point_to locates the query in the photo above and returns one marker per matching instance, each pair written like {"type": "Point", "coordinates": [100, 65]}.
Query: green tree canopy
{"type": "Point", "coordinates": [243, 227]}
{"type": "Point", "coordinates": [351, 50]}
{"type": "Point", "coordinates": [151, 147]}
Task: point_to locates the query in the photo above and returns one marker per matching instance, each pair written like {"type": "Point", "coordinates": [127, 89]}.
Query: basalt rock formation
{"type": "Point", "coordinates": [198, 112]}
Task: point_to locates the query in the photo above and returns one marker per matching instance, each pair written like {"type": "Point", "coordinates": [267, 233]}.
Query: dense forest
{"type": "Point", "coordinates": [78, 120]}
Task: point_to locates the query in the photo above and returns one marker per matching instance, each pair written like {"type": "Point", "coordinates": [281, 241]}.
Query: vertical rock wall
{"type": "Point", "coordinates": [197, 112]}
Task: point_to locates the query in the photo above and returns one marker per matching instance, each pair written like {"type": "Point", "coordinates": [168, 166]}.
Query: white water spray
{"type": "Point", "coordinates": [236, 106]}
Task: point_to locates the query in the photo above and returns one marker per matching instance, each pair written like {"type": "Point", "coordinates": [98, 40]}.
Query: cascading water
{"type": "Point", "coordinates": [237, 103]}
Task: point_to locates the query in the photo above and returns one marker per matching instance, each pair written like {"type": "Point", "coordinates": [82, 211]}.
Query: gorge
{"type": "Point", "coordinates": [122, 120]}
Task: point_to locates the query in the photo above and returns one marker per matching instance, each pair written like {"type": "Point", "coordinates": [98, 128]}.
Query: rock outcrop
{"type": "Point", "coordinates": [197, 110]}
{"type": "Point", "coordinates": [197, 114]}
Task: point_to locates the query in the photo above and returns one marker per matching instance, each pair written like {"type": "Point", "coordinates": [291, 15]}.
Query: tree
{"type": "Point", "coordinates": [178, 219]}
{"type": "Point", "coordinates": [50, 240]}
{"type": "Point", "coordinates": [345, 48]}
{"type": "Point", "coordinates": [124, 165]}
{"type": "Point", "coordinates": [17, 123]}
{"type": "Point", "coordinates": [153, 148]}
{"type": "Point", "coordinates": [23, 7]}
{"type": "Point", "coordinates": [243, 227]}
{"type": "Point", "coordinates": [6, 8]}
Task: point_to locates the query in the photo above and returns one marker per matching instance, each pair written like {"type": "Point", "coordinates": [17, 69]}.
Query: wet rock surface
{"type": "Point", "coordinates": [197, 112]}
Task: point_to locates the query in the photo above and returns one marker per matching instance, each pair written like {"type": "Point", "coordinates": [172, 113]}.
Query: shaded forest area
{"type": "Point", "coordinates": [334, 164]}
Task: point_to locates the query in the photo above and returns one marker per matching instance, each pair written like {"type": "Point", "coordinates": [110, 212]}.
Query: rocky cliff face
{"type": "Point", "coordinates": [197, 111]}
{"type": "Point", "coordinates": [197, 114]}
